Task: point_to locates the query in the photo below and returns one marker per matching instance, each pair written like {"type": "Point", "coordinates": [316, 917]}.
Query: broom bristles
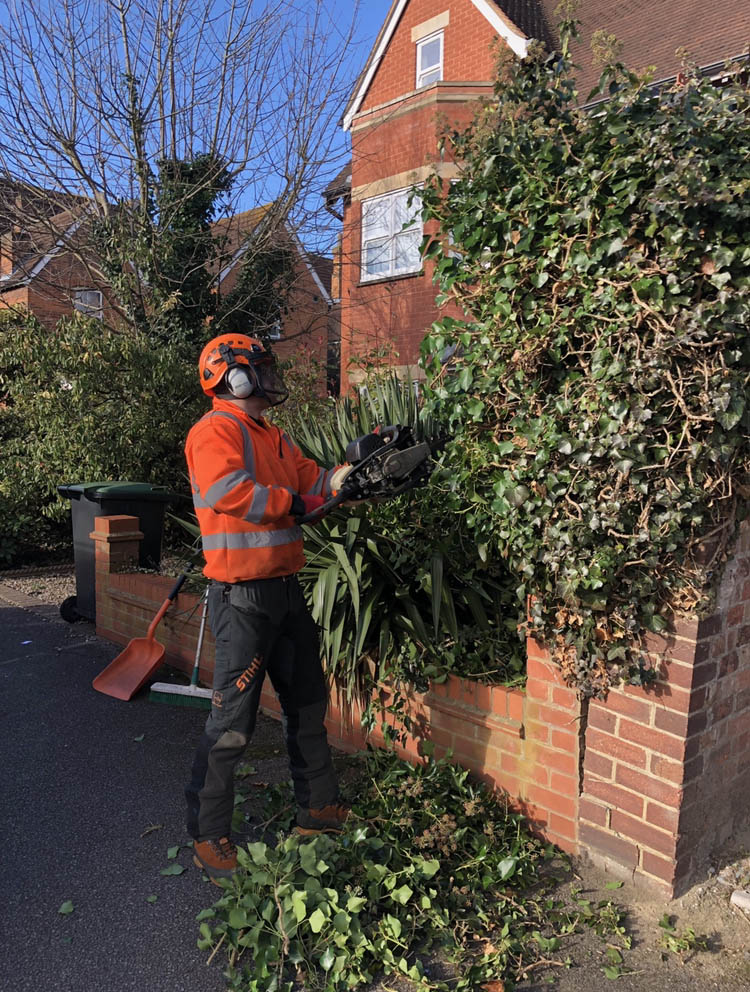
{"type": "Point", "coordinates": [181, 695]}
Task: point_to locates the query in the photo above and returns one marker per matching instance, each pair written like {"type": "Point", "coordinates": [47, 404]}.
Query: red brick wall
{"type": "Point", "coordinates": [651, 781]}
{"type": "Point", "coordinates": [466, 52]}
{"type": "Point", "coordinates": [666, 776]}
{"type": "Point", "coordinates": [395, 314]}
{"type": "Point", "coordinates": [390, 313]}
{"type": "Point", "coordinates": [50, 295]}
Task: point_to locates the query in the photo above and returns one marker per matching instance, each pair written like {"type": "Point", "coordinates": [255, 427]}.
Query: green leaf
{"type": "Point", "coordinates": [259, 853]}
{"type": "Point", "coordinates": [437, 589]}
{"type": "Point", "coordinates": [507, 867]}
{"type": "Point", "coordinates": [139, 738]}
{"type": "Point", "coordinates": [172, 852]}
{"type": "Point", "coordinates": [614, 885]}
{"type": "Point", "coordinates": [308, 858]}
{"type": "Point", "coordinates": [238, 919]}
{"type": "Point", "coordinates": [66, 909]}
{"type": "Point", "coordinates": [151, 898]}
{"type": "Point", "coordinates": [326, 959]}
{"type": "Point", "coordinates": [402, 895]}
{"type": "Point", "coordinates": [299, 905]}
{"type": "Point", "coordinates": [317, 921]}
{"type": "Point", "coordinates": [172, 870]}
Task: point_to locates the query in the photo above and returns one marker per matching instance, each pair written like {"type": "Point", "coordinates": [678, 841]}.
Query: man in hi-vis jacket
{"type": "Point", "coordinates": [249, 482]}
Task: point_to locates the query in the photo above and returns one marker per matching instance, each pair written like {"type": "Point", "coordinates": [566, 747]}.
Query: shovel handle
{"type": "Point", "coordinates": [177, 586]}
{"type": "Point", "coordinates": [166, 604]}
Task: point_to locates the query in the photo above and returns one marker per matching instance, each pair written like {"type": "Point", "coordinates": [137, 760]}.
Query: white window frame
{"type": "Point", "coordinates": [389, 241]}
{"type": "Point", "coordinates": [435, 67]}
{"type": "Point", "coordinates": [88, 307]}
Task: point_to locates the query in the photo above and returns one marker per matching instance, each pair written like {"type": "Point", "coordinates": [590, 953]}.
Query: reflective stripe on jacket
{"type": "Point", "coordinates": [243, 474]}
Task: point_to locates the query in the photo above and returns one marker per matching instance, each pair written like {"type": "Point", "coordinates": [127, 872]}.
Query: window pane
{"type": "Point", "coordinates": [403, 213]}
{"type": "Point", "coordinates": [429, 77]}
{"type": "Point", "coordinates": [406, 251]}
{"type": "Point", "coordinates": [429, 54]}
{"type": "Point", "coordinates": [375, 218]}
{"type": "Point", "coordinates": [376, 258]}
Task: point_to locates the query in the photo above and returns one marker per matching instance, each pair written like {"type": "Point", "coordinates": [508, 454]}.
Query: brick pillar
{"type": "Point", "coordinates": [666, 775]}
{"type": "Point", "coordinates": [549, 763]}
{"type": "Point", "coordinates": [117, 542]}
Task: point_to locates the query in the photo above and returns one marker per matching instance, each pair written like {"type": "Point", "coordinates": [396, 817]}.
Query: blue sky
{"type": "Point", "coordinates": [371, 17]}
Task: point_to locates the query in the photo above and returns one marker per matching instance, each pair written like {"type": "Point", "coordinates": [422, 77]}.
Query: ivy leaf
{"type": "Point", "coordinates": [172, 870]}
{"type": "Point", "coordinates": [507, 867]}
{"type": "Point", "coordinates": [66, 909]}
{"type": "Point", "coordinates": [326, 959]}
{"type": "Point", "coordinates": [259, 853]}
{"type": "Point", "coordinates": [402, 895]}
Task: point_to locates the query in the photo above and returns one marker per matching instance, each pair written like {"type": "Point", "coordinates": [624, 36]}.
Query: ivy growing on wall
{"type": "Point", "coordinates": [599, 264]}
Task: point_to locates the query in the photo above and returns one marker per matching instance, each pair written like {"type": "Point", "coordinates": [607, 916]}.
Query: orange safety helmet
{"type": "Point", "coordinates": [225, 352]}
{"type": "Point", "coordinates": [241, 365]}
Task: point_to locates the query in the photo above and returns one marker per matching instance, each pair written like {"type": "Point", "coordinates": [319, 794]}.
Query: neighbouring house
{"type": "Point", "coordinates": [430, 64]}
{"type": "Point", "coordinates": [308, 330]}
{"type": "Point", "coordinates": [44, 267]}
{"type": "Point", "coordinates": [48, 268]}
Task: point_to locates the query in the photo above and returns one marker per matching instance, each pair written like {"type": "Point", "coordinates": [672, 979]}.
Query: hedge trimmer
{"type": "Point", "coordinates": [385, 464]}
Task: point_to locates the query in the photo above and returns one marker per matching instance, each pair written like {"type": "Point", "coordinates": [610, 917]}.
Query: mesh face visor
{"type": "Point", "coordinates": [270, 381]}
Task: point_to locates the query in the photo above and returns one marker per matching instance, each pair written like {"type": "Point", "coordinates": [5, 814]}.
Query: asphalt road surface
{"type": "Point", "coordinates": [84, 777]}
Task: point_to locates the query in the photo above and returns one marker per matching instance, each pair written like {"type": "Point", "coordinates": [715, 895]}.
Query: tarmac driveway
{"type": "Point", "coordinates": [83, 778]}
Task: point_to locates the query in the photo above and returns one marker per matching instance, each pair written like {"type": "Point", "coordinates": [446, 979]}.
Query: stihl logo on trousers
{"type": "Point", "coordinates": [249, 674]}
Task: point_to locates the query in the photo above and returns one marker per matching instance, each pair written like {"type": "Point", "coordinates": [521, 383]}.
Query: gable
{"type": "Point", "coordinates": [392, 53]}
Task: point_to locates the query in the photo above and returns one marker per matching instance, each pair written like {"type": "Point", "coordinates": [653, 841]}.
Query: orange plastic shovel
{"type": "Point", "coordinates": [124, 676]}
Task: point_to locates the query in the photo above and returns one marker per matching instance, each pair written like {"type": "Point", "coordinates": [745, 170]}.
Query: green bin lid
{"type": "Point", "coordinates": [117, 490]}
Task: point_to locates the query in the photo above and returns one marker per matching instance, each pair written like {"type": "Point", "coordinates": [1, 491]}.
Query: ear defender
{"type": "Point", "coordinates": [240, 382]}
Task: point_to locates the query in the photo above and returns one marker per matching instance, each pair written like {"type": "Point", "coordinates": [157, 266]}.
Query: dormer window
{"type": "Point", "coordinates": [430, 59]}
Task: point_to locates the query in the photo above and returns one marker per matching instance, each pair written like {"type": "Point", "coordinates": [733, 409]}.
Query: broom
{"type": "Point", "coordinates": [186, 695]}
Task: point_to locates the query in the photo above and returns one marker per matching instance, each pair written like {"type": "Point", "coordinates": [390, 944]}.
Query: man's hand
{"type": "Point", "coordinates": [302, 504]}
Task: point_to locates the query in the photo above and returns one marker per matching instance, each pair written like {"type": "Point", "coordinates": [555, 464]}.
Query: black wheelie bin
{"type": "Point", "coordinates": [103, 499]}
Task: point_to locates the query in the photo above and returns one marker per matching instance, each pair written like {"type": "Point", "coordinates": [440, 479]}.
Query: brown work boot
{"type": "Point", "coordinates": [327, 820]}
{"type": "Point", "coordinates": [218, 858]}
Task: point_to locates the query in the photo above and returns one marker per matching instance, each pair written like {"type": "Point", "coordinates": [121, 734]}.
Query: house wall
{"type": "Point", "coordinates": [395, 146]}
{"type": "Point", "coordinates": [650, 781]}
{"type": "Point", "coordinates": [15, 299]}
{"type": "Point", "coordinates": [468, 38]}
{"type": "Point", "coordinates": [305, 326]}
{"type": "Point", "coordinates": [50, 294]}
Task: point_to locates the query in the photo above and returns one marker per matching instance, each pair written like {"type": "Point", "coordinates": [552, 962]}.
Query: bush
{"type": "Point", "coordinates": [598, 388]}
{"type": "Point", "coordinates": [397, 587]}
{"type": "Point", "coordinates": [84, 404]}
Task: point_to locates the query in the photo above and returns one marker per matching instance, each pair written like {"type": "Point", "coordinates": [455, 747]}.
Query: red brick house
{"type": "Point", "coordinates": [431, 62]}
{"type": "Point", "coordinates": [47, 268]}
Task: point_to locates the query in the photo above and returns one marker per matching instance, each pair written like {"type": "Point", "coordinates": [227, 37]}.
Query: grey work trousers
{"type": "Point", "coordinates": [260, 626]}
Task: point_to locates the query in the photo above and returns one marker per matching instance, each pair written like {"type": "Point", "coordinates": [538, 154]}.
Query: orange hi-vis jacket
{"type": "Point", "coordinates": [243, 474]}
